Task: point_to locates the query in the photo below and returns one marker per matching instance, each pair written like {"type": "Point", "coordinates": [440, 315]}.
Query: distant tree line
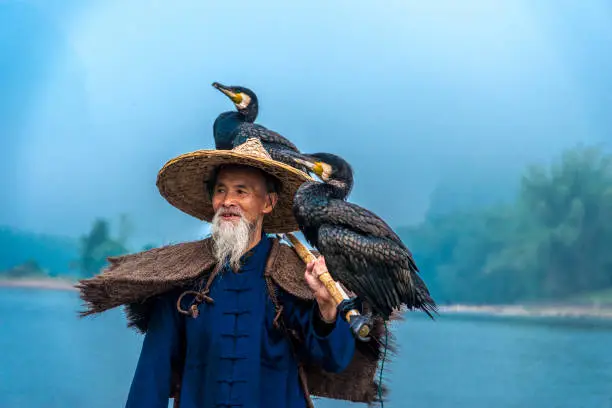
{"type": "Point", "coordinates": [45, 255]}
{"type": "Point", "coordinates": [99, 244]}
{"type": "Point", "coordinates": [552, 241]}
{"type": "Point", "coordinates": [28, 255]}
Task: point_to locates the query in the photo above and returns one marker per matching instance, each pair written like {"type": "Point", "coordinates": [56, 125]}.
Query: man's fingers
{"type": "Point", "coordinates": [320, 262]}
{"type": "Point", "coordinates": [319, 267]}
{"type": "Point", "coordinates": [316, 267]}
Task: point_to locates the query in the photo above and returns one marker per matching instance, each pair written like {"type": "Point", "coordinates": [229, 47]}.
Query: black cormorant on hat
{"type": "Point", "coordinates": [233, 128]}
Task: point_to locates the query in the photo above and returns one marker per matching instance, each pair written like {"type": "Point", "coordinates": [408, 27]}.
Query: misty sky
{"type": "Point", "coordinates": [95, 96]}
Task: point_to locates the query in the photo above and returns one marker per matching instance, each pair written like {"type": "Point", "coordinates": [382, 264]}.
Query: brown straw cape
{"type": "Point", "coordinates": [135, 281]}
{"type": "Point", "coordinates": [182, 182]}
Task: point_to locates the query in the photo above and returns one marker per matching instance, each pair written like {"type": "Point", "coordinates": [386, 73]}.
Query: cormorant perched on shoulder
{"type": "Point", "coordinates": [233, 128]}
{"type": "Point", "coordinates": [359, 248]}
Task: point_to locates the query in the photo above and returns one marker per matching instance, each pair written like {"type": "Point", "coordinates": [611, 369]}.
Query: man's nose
{"type": "Point", "coordinates": [228, 200]}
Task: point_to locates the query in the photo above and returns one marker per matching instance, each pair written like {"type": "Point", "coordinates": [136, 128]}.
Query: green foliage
{"type": "Point", "coordinates": [148, 247]}
{"type": "Point", "coordinates": [25, 254]}
{"type": "Point", "coordinates": [53, 253]}
{"type": "Point", "coordinates": [28, 269]}
{"type": "Point", "coordinates": [98, 245]}
{"type": "Point", "coordinates": [552, 242]}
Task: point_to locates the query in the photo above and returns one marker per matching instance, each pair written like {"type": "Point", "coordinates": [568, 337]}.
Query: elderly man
{"type": "Point", "coordinates": [237, 319]}
{"type": "Point", "coordinates": [234, 355]}
{"type": "Point", "coordinates": [217, 326]}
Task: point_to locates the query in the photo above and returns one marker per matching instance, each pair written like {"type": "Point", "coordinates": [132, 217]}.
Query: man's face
{"type": "Point", "coordinates": [241, 190]}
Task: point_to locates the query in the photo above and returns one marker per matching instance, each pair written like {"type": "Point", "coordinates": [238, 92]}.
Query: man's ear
{"type": "Point", "coordinates": [271, 200]}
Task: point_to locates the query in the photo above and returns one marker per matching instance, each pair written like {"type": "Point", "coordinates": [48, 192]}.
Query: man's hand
{"type": "Point", "coordinates": [326, 302]}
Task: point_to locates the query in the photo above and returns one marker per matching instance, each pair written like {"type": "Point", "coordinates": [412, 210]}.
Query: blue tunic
{"type": "Point", "coordinates": [234, 355]}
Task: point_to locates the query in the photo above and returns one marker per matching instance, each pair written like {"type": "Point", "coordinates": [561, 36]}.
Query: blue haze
{"type": "Point", "coordinates": [97, 95]}
{"type": "Point", "coordinates": [445, 99]}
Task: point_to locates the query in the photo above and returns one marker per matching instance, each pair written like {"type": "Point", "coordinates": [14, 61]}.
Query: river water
{"type": "Point", "coordinates": [49, 358]}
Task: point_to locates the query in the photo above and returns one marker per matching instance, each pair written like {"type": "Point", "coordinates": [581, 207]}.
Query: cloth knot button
{"type": "Point", "coordinates": [237, 312]}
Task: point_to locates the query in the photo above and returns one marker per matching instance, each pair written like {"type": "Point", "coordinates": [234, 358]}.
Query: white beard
{"type": "Point", "coordinates": [230, 240]}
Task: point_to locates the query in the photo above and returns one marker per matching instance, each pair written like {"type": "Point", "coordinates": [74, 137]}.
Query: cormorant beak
{"type": "Point", "coordinates": [306, 163]}
{"type": "Point", "coordinates": [235, 97]}
{"type": "Point", "coordinates": [321, 169]}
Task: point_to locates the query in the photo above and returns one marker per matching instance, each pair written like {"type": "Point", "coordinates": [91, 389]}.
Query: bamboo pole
{"type": "Point", "coordinates": [334, 288]}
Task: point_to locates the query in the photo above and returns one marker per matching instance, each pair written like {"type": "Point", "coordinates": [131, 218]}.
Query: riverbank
{"type": "Point", "coordinates": [41, 283]}
{"type": "Point", "coordinates": [594, 310]}
{"type": "Point", "coordinates": [557, 310]}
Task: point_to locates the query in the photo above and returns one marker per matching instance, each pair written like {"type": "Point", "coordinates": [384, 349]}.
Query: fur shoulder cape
{"type": "Point", "coordinates": [133, 280]}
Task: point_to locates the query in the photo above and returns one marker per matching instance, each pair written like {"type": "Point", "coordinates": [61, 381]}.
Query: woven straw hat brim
{"type": "Point", "coordinates": [182, 182]}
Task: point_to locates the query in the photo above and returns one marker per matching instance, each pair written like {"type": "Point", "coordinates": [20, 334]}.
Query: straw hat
{"type": "Point", "coordinates": [182, 182]}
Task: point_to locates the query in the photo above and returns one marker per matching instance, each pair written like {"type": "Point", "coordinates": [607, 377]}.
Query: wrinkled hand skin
{"type": "Point", "coordinates": [326, 302]}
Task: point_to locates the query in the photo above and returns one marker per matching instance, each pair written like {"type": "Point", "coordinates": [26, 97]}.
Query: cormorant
{"type": "Point", "coordinates": [359, 248]}
{"type": "Point", "coordinates": [233, 128]}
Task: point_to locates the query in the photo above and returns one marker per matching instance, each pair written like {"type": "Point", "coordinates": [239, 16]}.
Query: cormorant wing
{"type": "Point", "coordinates": [376, 269]}
{"type": "Point", "coordinates": [285, 155]}
{"type": "Point", "coordinates": [247, 130]}
{"type": "Point", "coordinates": [360, 220]}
